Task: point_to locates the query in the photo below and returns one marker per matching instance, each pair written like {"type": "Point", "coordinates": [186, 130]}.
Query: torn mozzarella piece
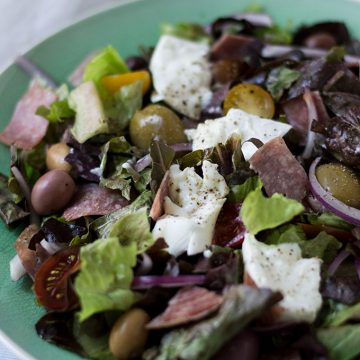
{"type": "Point", "coordinates": [281, 268]}
{"type": "Point", "coordinates": [213, 132]}
{"type": "Point", "coordinates": [181, 74]}
{"type": "Point", "coordinates": [192, 208]}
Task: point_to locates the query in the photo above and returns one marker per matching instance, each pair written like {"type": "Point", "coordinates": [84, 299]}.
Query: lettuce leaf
{"type": "Point", "coordinates": [238, 193]}
{"type": "Point", "coordinates": [103, 224]}
{"type": "Point", "coordinates": [58, 111]}
{"type": "Point", "coordinates": [260, 213]}
{"type": "Point", "coordinates": [329, 219]}
{"type": "Point", "coordinates": [107, 62]}
{"type": "Point", "coordinates": [241, 305]}
{"type": "Point", "coordinates": [280, 79]}
{"type": "Point", "coordinates": [343, 314]}
{"type": "Point", "coordinates": [341, 342]}
{"type": "Point", "coordinates": [323, 246]}
{"type": "Point", "coordinates": [133, 225]}
{"type": "Point", "coordinates": [123, 106]}
{"type": "Point", "coordinates": [188, 31]}
{"type": "Point", "coordinates": [105, 276]}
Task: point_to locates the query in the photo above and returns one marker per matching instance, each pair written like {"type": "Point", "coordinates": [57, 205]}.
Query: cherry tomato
{"type": "Point", "coordinates": [250, 98]}
{"type": "Point", "coordinates": [51, 282]}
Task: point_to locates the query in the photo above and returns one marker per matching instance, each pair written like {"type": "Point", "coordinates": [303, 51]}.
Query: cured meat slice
{"type": "Point", "coordinates": [26, 255]}
{"type": "Point", "coordinates": [92, 199]}
{"type": "Point", "coordinates": [188, 305]}
{"type": "Point", "coordinates": [26, 129]}
{"type": "Point", "coordinates": [279, 170]}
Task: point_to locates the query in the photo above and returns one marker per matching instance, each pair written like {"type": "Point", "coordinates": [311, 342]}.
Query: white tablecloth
{"type": "Point", "coordinates": [23, 23]}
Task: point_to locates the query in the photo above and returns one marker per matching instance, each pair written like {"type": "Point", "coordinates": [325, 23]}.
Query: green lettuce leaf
{"type": "Point", "coordinates": [133, 225]}
{"type": "Point", "coordinates": [103, 224]}
{"type": "Point", "coordinates": [260, 213]}
{"type": "Point", "coordinates": [189, 31]}
{"type": "Point", "coordinates": [342, 314]}
{"type": "Point", "coordinates": [57, 112]}
{"type": "Point", "coordinates": [323, 246]}
{"type": "Point", "coordinates": [276, 34]}
{"type": "Point", "coordinates": [123, 106]}
{"type": "Point", "coordinates": [341, 342]}
{"type": "Point", "coordinates": [192, 159]}
{"type": "Point", "coordinates": [328, 218]}
{"type": "Point", "coordinates": [115, 153]}
{"type": "Point", "coordinates": [9, 211]}
{"type": "Point", "coordinates": [280, 79]}
{"type": "Point", "coordinates": [105, 276]}
{"type": "Point", "coordinates": [162, 157]}
{"type": "Point", "coordinates": [242, 304]}
{"type": "Point", "coordinates": [107, 62]}
{"type": "Point", "coordinates": [238, 193]}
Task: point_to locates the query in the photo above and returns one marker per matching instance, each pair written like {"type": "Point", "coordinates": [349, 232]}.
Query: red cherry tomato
{"type": "Point", "coordinates": [51, 284]}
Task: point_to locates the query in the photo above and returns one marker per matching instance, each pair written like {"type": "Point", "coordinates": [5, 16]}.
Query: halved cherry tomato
{"type": "Point", "coordinates": [113, 83]}
{"type": "Point", "coordinates": [250, 98]}
{"type": "Point", "coordinates": [51, 282]}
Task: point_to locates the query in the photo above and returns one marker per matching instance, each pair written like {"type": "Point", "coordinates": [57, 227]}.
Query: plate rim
{"type": "Point", "coordinates": [14, 348]}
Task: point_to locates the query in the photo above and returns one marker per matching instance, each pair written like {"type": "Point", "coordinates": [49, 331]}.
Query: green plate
{"type": "Point", "coordinates": [126, 27]}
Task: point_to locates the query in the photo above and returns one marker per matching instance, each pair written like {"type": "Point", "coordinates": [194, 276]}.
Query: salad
{"type": "Point", "coordinates": [200, 200]}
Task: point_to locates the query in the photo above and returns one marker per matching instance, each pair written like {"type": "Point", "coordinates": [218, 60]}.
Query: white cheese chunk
{"type": "Point", "coordinates": [213, 132]}
{"type": "Point", "coordinates": [181, 74]}
{"type": "Point", "coordinates": [192, 208]}
{"type": "Point", "coordinates": [281, 268]}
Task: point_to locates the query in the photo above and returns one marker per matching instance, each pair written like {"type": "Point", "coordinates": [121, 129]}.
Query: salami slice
{"type": "Point", "coordinates": [27, 256]}
{"type": "Point", "coordinates": [26, 129]}
{"type": "Point", "coordinates": [189, 304]}
{"type": "Point", "coordinates": [92, 199]}
{"type": "Point", "coordinates": [279, 170]}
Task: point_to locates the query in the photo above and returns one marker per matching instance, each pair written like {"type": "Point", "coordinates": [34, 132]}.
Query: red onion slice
{"type": "Point", "coordinates": [339, 258]}
{"type": "Point", "coordinates": [146, 282]}
{"type": "Point", "coordinates": [348, 213]}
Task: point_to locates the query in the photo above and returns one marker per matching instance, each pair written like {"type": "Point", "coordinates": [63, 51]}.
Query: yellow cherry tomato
{"type": "Point", "coordinates": [250, 98]}
{"type": "Point", "coordinates": [113, 83]}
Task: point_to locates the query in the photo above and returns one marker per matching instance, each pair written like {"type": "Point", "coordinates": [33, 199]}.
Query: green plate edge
{"type": "Point", "coordinates": [125, 27]}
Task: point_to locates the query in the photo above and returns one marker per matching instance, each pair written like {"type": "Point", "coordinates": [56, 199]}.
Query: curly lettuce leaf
{"type": "Point", "coordinates": [123, 106]}
{"type": "Point", "coordinates": [329, 219]}
{"type": "Point", "coordinates": [188, 31]}
{"type": "Point", "coordinates": [241, 305]}
{"type": "Point", "coordinates": [238, 193]}
{"type": "Point", "coordinates": [107, 62]}
{"type": "Point", "coordinates": [261, 213]}
{"type": "Point", "coordinates": [279, 80]}
{"type": "Point", "coordinates": [323, 246]}
{"type": "Point", "coordinates": [58, 111]}
{"type": "Point", "coordinates": [134, 225]}
{"type": "Point", "coordinates": [105, 276]}
{"type": "Point", "coordinates": [342, 342]}
{"type": "Point", "coordinates": [103, 224]}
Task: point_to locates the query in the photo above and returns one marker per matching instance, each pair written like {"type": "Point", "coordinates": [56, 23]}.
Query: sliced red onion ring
{"type": "Point", "coordinates": [273, 51]}
{"type": "Point", "coordinates": [357, 266]}
{"type": "Point", "coordinates": [34, 70]}
{"type": "Point", "coordinates": [349, 214]}
{"type": "Point", "coordinates": [146, 282]}
{"type": "Point", "coordinates": [339, 258]}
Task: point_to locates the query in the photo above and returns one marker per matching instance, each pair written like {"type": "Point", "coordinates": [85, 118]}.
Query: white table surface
{"type": "Point", "coordinates": [24, 23]}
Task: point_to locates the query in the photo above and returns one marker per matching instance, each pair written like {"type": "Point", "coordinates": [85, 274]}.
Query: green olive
{"type": "Point", "coordinates": [156, 121]}
{"type": "Point", "coordinates": [342, 182]}
{"type": "Point", "coordinates": [128, 336]}
{"type": "Point", "coordinates": [55, 157]}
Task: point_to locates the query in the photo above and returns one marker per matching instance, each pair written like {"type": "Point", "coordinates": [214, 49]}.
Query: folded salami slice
{"type": "Point", "coordinates": [188, 305]}
{"type": "Point", "coordinates": [26, 129]}
{"type": "Point", "coordinates": [92, 199]}
{"type": "Point", "coordinates": [279, 170]}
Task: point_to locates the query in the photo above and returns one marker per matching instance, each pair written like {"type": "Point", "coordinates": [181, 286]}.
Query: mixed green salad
{"type": "Point", "coordinates": [200, 200]}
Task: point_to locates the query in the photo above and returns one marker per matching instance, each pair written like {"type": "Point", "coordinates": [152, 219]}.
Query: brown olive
{"type": "Point", "coordinates": [55, 157]}
{"type": "Point", "coordinates": [321, 40]}
{"type": "Point", "coordinates": [342, 182]}
{"type": "Point", "coordinates": [52, 192]}
{"type": "Point", "coordinates": [156, 121]}
{"type": "Point", "coordinates": [227, 70]}
{"type": "Point", "coordinates": [129, 335]}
